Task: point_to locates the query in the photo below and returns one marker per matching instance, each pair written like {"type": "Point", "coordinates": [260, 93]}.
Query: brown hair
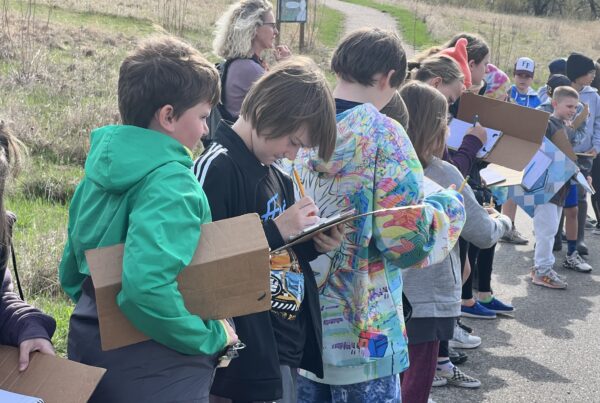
{"type": "Point", "coordinates": [436, 66]}
{"type": "Point", "coordinates": [427, 111]}
{"type": "Point", "coordinates": [289, 97]}
{"type": "Point", "coordinates": [560, 93]}
{"type": "Point", "coordinates": [396, 109]}
{"type": "Point", "coordinates": [164, 71]}
{"type": "Point", "coordinates": [369, 51]}
{"type": "Point", "coordinates": [11, 151]}
{"type": "Point", "coordinates": [477, 48]}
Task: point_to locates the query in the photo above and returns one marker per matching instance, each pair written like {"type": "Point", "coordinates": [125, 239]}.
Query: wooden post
{"type": "Point", "coordinates": [278, 26]}
{"type": "Point", "coordinates": [301, 46]}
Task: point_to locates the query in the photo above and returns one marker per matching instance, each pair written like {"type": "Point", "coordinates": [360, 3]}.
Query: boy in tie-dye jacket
{"type": "Point", "coordinates": [374, 166]}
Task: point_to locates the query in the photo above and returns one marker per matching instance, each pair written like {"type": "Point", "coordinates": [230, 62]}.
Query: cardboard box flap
{"type": "Point", "coordinates": [53, 379]}
{"type": "Point", "coordinates": [513, 153]}
{"type": "Point", "coordinates": [228, 276]}
{"type": "Point", "coordinates": [561, 141]}
{"type": "Point", "coordinates": [513, 120]}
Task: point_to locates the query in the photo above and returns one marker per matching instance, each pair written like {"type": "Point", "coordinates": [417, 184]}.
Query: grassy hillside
{"type": "Point", "coordinates": [509, 36]}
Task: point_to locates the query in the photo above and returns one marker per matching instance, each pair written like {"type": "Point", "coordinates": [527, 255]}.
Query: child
{"type": "Point", "coordinates": [138, 190]}
{"type": "Point", "coordinates": [521, 92]}
{"type": "Point", "coordinates": [546, 216]}
{"type": "Point", "coordinates": [570, 208]}
{"type": "Point", "coordinates": [288, 108]}
{"type": "Point", "coordinates": [21, 325]}
{"type": "Point", "coordinates": [556, 66]}
{"type": "Point", "coordinates": [581, 71]}
{"type": "Point", "coordinates": [435, 293]}
{"type": "Point", "coordinates": [373, 166]}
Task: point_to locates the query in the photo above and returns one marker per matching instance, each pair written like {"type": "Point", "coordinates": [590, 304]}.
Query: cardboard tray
{"type": "Point", "coordinates": [523, 128]}
{"type": "Point", "coordinates": [228, 276]}
{"type": "Point", "coordinates": [53, 379]}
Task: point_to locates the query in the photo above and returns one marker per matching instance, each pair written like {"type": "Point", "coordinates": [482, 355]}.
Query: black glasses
{"type": "Point", "coordinates": [271, 24]}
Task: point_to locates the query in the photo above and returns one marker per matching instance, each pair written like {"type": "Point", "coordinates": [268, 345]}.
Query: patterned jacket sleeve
{"type": "Point", "coordinates": [425, 234]}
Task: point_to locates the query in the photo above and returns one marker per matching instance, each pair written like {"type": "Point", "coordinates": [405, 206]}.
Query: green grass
{"type": "Point", "coordinates": [60, 309]}
{"type": "Point", "coordinates": [414, 30]}
{"type": "Point", "coordinates": [330, 26]}
{"type": "Point", "coordinates": [38, 237]}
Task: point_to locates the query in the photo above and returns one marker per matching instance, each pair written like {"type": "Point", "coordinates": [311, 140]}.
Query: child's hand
{"type": "Point", "coordinates": [232, 337]}
{"type": "Point", "coordinates": [592, 151]}
{"type": "Point", "coordinates": [329, 240]}
{"type": "Point", "coordinates": [589, 180]}
{"type": "Point", "coordinates": [479, 132]}
{"type": "Point", "coordinates": [282, 52]}
{"type": "Point", "coordinates": [302, 214]}
{"type": "Point", "coordinates": [29, 346]}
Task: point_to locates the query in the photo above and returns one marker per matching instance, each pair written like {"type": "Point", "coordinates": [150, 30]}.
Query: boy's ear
{"type": "Point", "coordinates": [386, 79]}
{"type": "Point", "coordinates": [472, 64]}
{"type": "Point", "coordinates": [165, 118]}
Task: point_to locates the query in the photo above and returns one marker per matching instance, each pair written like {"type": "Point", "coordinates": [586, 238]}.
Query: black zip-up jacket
{"type": "Point", "coordinates": [236, 183]}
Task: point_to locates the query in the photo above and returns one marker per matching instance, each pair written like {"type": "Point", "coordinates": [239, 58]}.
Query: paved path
{"type": "Point", "coordinates": [356, 16]}
{"type": "Point", "coordinates": [549, 350]}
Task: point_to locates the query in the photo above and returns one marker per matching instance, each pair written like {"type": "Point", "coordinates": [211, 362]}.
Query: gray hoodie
{"type": "Point", "coordinates": [589, 95]}
{"type": "Point", "coordinates": [436, 290]}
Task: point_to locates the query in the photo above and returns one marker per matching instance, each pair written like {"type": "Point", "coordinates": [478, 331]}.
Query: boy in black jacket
{"type": "Point", "coordinates": [289, 108]}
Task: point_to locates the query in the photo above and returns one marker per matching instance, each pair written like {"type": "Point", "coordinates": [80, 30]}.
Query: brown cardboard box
{"type": "Point", "coordinates": [523, 128]}
{"type": "Point", "coordinates": [53, 379]}
{"type": "Point", "coordinates": [228, 276]}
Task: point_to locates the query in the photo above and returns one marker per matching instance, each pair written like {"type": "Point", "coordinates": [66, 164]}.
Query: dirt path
{"type": "Point", "coordinates": [356, 16]}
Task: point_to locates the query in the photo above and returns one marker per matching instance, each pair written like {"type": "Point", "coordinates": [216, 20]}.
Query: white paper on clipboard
{"type": "Point", "coordinates": [458, 130]}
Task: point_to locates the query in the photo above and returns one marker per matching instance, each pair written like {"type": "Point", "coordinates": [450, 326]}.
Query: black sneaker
{"type": "Point", "coordinates": [464, 327]}
{"type": "Point", "coordinates": [457, 357]}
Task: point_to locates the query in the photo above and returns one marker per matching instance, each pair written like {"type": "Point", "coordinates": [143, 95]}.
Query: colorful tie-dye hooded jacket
{"type": "Point", "coordinates": [374, 166]}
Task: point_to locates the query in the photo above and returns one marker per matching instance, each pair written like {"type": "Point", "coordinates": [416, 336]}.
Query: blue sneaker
{"type": "Point", "coordinates": [477, 311]}
{"type": "Point", "coordinates": [495, 305]}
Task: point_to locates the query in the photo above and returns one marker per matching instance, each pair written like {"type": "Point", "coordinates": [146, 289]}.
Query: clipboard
{"type": "Point", "coordinates": [341, 218]}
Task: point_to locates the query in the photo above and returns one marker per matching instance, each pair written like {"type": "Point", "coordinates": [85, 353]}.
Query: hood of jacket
{"type": "Point", "coordinates": [121, 155]}
{"type": "Point", "coordinates": [348, 140]}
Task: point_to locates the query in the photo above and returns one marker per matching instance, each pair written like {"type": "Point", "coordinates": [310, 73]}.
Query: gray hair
{"type": "Point", "coordinates": [237, 27]}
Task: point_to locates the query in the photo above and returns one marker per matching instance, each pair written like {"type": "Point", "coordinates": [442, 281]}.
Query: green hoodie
{"type": "Point", "coordinates": [138, 190]}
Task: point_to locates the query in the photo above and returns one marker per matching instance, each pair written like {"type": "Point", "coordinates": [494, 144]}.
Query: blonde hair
{"type": "Point", "coordinates": [436, 66]}
{"type": "Point", "coordinates": [560, 93]}
{"type": "Point", "coordinates": [236, 28]}
{"type": "Point", "coordinates": [427, 124]}
{"type": "Point", "coordinates": [11, 151]}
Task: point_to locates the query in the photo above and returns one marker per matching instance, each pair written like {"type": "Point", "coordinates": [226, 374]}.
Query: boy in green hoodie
{"type": "Point", "coordinates": [138, 190]}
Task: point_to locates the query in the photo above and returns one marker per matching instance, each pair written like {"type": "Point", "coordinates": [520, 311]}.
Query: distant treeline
{"type": "Point", "coordinates": [582, 9]}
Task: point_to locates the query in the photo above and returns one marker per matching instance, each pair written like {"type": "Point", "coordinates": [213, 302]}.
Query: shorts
{"type": "Point", "coordinates": [571, 200]}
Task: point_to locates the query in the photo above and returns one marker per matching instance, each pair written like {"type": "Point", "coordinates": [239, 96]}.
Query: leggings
{"type": "Point", "coordinates": [481, 260]}
{"type": "Point", "coordinates": [417, 379]}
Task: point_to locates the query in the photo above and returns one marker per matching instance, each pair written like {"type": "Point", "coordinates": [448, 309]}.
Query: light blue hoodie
{"type": "Point", "coordinates": [589, 95]}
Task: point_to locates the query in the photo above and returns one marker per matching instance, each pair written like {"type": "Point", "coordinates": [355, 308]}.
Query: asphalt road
{"type": "Point", "coordinates": [549, 349]}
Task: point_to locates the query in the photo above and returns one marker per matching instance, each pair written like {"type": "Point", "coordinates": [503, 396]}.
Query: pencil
{"type": "Point", "coordinates": [462, 185]}
{"type": "Point", "coordinates": [298, 182]}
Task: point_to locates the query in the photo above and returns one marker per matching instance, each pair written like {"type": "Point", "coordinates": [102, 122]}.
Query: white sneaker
{"type": "Point", "coordinates": [439, 381]}
{"type": "Point", "coordinates": [576, 263]}
{"type": "Point", "coordinates": [462, 339]}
